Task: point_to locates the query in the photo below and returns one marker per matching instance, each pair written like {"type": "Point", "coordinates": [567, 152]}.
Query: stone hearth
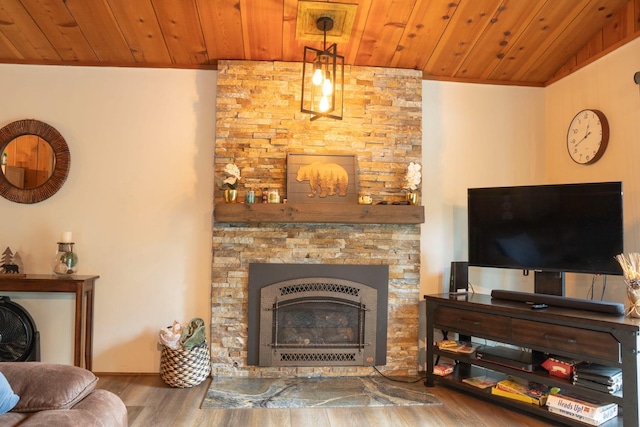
{"type": "Point", "coordinates": [316, 393]}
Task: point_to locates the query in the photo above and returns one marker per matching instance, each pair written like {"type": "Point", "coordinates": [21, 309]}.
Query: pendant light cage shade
{"type": "Point", "coordinates": [322, 83]}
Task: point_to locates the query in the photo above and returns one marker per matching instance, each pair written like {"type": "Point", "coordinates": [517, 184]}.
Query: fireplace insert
{"type": "Point", "coordinates": [317, 320]}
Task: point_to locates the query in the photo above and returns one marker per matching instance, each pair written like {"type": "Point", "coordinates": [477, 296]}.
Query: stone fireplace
{"type": "Point", "coordinates": [317, 315]}
{"type": "Point", "coordinates": [258, 122]}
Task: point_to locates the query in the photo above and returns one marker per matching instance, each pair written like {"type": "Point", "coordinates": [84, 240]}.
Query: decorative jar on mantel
{"type": "Point", "coordinates": [230, 195]}
{"type": "Point", "coordinates": [412, 198]}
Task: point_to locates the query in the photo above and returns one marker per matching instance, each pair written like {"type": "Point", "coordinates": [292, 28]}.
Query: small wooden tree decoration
{"type": "Point", "coordinates": [9, 265]}
{"type": "Point", "coordinates": [7, 256]}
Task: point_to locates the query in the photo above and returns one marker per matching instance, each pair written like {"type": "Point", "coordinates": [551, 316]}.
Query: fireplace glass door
{"type": "Point", "coordinates": [315, 323]}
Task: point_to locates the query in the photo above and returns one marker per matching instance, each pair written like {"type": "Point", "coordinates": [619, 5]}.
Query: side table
{"type": "Point", "coordinates": [82, 287]}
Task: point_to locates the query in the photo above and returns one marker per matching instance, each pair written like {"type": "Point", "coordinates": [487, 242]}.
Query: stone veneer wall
{"type": "Point", "coordinates": [258, 123]}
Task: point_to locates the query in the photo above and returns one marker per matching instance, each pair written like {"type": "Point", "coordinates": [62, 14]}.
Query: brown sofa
{"type": "Point", "coordinates": [59, 395]}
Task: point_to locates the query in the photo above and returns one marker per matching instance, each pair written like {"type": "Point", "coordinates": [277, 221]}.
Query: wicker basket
{"type": "Point", "coordinates": [185, 368]}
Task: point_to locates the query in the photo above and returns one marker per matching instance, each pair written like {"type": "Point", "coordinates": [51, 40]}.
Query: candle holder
{"type": "Point", "coordinates": [65, 262]}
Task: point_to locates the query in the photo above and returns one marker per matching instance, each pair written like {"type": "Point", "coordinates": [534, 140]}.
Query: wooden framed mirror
{"type": "Point", "coordinates": [34, 162]}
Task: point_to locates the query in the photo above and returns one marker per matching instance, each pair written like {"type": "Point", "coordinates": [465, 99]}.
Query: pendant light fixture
{"type": "Point", "coordinates": [323, 78]}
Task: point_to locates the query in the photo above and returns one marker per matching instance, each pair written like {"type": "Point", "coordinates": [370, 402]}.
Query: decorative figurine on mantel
{"type": "Point", "coordinates": [11, 264]}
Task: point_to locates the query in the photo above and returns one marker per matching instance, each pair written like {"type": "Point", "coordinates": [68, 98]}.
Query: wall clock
{"type": "Point", "coordinates": [588, 136]}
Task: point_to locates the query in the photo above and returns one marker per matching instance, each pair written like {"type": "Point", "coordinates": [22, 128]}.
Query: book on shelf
{"type": "Point", "coordinates": [495, 390]}
{"type": "Point", "coordinates": [592, 385]}
{"type": "Point", "coordinates": [582, 418]}
{"type": "Point", "coordinates": [443, 369]}
{"type": "Point", "coordinates": [447, 344]}
{"type": "Point", "coordinates": [598, 373]}
{"type": "Point", "coordinates": [613, 380]}
{"type": "Point", "coordinates": [582, 406]}
{"type": "Point", "coordinates": [482, 381]}
{"type": "Point", "coordinates": [522, 390]}
{"type": "Point", "coordinates": [607, 379]}
{"type": "Point", "coordinates": [457, 346]}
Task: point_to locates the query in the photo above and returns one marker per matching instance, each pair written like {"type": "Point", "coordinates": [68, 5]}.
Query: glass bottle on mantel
{"type": "Point", "coordinates": [65, 262]}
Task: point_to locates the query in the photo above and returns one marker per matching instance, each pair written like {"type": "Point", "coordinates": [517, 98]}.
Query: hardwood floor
{"type": "Point", "coordinates": [152, 403]}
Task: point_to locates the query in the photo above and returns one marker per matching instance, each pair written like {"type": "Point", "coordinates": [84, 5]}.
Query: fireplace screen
{"type": "Point", "coordinates": [317, 322]}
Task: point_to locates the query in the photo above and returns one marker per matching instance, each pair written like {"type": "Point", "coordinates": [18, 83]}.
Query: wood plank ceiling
{"type": "Point", "coordinates": [527, 42]}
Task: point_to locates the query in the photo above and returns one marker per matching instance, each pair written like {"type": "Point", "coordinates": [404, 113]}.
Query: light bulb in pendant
{"type": "Point", "coordinates": [327, 87]}
{"type": "Point", "coordinates": [324, 103]}
{"type": "Point", "coordinates": [317, 77]}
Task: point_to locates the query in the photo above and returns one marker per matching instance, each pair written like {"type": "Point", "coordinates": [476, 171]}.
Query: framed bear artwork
{"type": "Point", "coordinates": [321, 178]}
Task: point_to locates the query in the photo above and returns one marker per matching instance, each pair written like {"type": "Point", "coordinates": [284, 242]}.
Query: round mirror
{"type": "Point", "coordinates": [28, 161]}
{"type": "Point", "coordinates": [34, 161]}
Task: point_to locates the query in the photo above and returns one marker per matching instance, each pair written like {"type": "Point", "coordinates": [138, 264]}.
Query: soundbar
{"type": "Point", "coordinates": [560, 301]}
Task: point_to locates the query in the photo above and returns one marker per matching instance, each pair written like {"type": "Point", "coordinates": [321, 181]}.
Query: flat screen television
{"type": "Point", "coordinates": [547, 228]}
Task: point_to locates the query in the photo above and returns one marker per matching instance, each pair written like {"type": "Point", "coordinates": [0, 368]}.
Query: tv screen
{"type": "Point", "coordinates": [557, 228]}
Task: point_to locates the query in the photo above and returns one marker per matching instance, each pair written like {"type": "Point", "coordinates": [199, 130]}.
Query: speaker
{"type": "Point", "coordinates": [548, 282]}
{"type": "Point", "coordinates": [459, 281]}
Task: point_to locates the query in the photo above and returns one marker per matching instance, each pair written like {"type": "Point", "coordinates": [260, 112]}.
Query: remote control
{"type": "Point", "coordinates": [538, 306]}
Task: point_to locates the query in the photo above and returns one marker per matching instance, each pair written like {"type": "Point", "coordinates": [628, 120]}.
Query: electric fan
{"type": "Point", "coordinates": [19, 339]}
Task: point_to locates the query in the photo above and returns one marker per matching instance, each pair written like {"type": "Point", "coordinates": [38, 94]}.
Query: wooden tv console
{"type": "Point", "coordinates": [612, 340]}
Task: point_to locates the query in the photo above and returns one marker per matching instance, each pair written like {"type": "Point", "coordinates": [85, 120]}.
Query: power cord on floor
{"type": "Point", "coordinates": [397, 380]}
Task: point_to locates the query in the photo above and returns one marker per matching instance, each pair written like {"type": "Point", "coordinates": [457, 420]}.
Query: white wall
{"type": "Point", "coordinates": [138, 200]}
{"type": "Point", "coordinates": [473, 136]}
{"type": "Point", "coordinates": [607, 85]}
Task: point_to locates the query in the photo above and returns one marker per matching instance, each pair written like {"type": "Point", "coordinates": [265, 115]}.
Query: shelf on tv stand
{"type": "Point", "coordinates": [602, 338]}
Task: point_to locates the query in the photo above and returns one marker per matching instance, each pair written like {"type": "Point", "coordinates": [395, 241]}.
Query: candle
{"type": "Point", "coordinates": [66, 237]}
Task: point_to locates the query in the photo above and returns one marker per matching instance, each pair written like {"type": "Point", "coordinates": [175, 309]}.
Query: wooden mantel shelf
{"type": "Point", "coordinates": [317, 213]}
